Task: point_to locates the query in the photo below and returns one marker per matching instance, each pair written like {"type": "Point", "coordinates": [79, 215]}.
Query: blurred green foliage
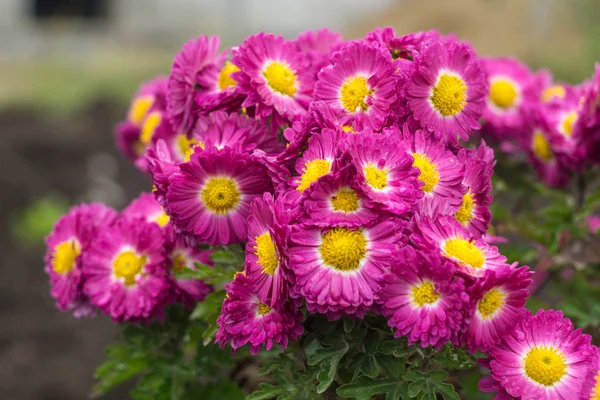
{"type": "Point", "coordinates": [35, 222]}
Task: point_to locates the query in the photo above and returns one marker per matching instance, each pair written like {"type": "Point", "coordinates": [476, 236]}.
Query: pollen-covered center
{"type": "Point", "coordinates": [348, 129]}
{"type": "Point", "coordinates": [465, 211]}
{"type": "Point", "coordinates": [429, 174]}
{"type": "Point", "coordinates": [220, 195]}
{"type": "Point", "coordinates": [139, 108]}
{"type": "Point", "coordinates": [423, 294]}
{"type": "Point", "coordinates": [343, 249]}
{"type": "Point", "coordinates": [503, 93]}
{"type": "Point", "coordinates": [225, 80]}
{"type": "Point", "coordinates": [545, 365]}
{"type": "Point", "coordinates": [179, 262]}
{"type": "Point", "coordinates": [491, 303]}
{"type": "Point", "coordinates": [596, 391]}
{"type": "Point", "coordinates": [353, 94]}
{"type": "Point", "coordinates": [184, 143]}
{"type": "Point", "coordinates": [541, 146]}
{"type": "Point", "coordinates": [376, 178]}
{"type": "Point", "coordinates": [265, 251]}
{"type": "Point", "coordinates": [263, 309]}
{"type": "Point", "coordinates": [557, 91]}
{"type": "Point", "coordinates": [567, 123]}
{"type": "Point", "coordinates": [162, 219]}
{"type": "Point", "coordinates": [313, 170]}
{"type": "Point", "coordinates": [65, 254]}
{"type": "Point", "coordinates": [345, 200]}
{"type": "Point", "coordinates": [127, 265]}
{"type": "Point", "coordinates": [464, 252]}
{"type": "Point", "coordinates": [149, 128]}
{"type": "Point", "coordinates": [449, 95]}
{"type": "Point", "coordinates": [281, 78]}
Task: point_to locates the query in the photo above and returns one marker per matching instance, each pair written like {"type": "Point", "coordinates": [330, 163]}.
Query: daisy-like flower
{"type": "Point", "coordinates": [70, 238]}
{"type": "Point", "coordinates": [125, 271]}
{"type": "Point", "coordinates": [272, 76]}
{"type": "Point", "coordinates": [497, 305]}
{"type": "Point", "coordinates": [360, 84]}
{"type": "Point", "coordinates": [317, 46]}
{"type": "Point", "coordinates": [591, 387]}
{"type": "Point", "coordinates": [209, 197]}
{"type": "Point", "coordinates": [561, 121]}
{"type": "Point", "coordinates": [245, 320]}
{"type": "Point", "coordinates": [146, 206]}
{"type": "Point", "coordinates": [440, 173]}
{"type": "Point", "coordinates": [474, 211]}
{"type": "Point", "coordinates": [541, 153]}
{"type": "Point", "coordinates": [422, 300]}
{"type": "Point", "coordinates": [385, 171]}
{"type": "Point", "coordinates": [198, 57]}
{"type": "Point", "coordinates": [162, 164]}
{"type": "Point", "coordinates": [336, 201]}
{"type": "Point", "coordinates": [266, 255]}
{"type": "Point", "coordinates": [179, 257]}
{"type": "Point", "coordinates": [447, 91]}
{"type": "Point", "coordinates": [542, 358]}
{"type": "Point", "coordinates": [472, 257]}
{"type": "Point", "coordinates": [340, 270]}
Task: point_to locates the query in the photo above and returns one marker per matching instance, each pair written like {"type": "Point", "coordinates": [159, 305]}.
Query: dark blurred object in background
{"type": "Point", "coordinates": [89, 9]}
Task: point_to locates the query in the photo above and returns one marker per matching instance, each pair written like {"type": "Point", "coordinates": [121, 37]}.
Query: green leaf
{"type": "Point", "coordinates": [454, 358]}
{"type": "Point", "coordinates": [211, 304]}
{"type": "Point", "coordinates": [120, 367]}
{"type": "Point", "coordinates": [213, 276]}
{"type": "Point", "coordinates": [225, 257]}
{"type": "Point", "coordinates": [369, 367]}
{"type": "Point", "coordinates": [328, 358]}
{"type": "Point", "coordinates": [266, 391]}
{"type": "Point", "coordinates": [210, 332]}
{"type": "Point", "coordinates": [393, 367]}
{"type": "Point", "coordinates": [429, 384]}
{"type": "Point", "coordinates": [364, 388]}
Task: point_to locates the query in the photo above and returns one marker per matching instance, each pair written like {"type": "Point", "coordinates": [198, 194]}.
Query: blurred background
{"type": "Point", "coordinates": [67, 70]}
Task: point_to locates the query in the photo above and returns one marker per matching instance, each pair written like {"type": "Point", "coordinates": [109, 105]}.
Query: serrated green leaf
{"type": "Point", "coordinates": [121, 366]}
{"type": "Point", "coordinates": [349, 324]}
{"type": "Point", "coordinates": [393, 367]}
{"type": "Point", "coordinates": [210, 332]}
{"type": "Point", "coordinates": [369, 367]}
{"type": "Point", "coordinates": [210, 305]}
{"type": "Point", "coordinates": [451, 357]}
{"type": "Point", "coordinates": [329, 359]}
{"type": "Point", "coordinates": [364, 388]}
{"type": "Point", "coordinates": [429, 384]}
{"type": "Point", "coordinates": [266, 391]}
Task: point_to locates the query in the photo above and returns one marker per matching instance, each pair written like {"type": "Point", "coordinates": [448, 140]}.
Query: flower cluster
{"type": "Point", "coordinates": [556, 125]}
{"type": "Point", "coordinates": [339, 164]}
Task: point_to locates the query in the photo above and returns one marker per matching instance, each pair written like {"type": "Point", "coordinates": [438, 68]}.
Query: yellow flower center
{"type": "Point", "coordinates": [225, 80]}
{"type": "Point", "coordinates": [162, 219]}
{"type": "Point", "coordinates": [553, 91]}
{"type": "Point", "coordinates": [567, 123]}
{"type": "Point", "coordinates": [190, 151]}
{"type": "Point", "coordinates": [353, 93]}
{"type": "Point", "coordinates": [465, 211]}
{"type": "Point", "coordinates": [464, 252]}
{"type": "Point", "coordinates": [179, 263]}
{"type": "Point", "coordinates": [423, 294]}
{"type": "Point", "coordinates": [184, 144]}
{"type": "Point", "coordinates": [220, 195]}
{"type": "Point", "coordinates": [541, 146]}
{"type": "Point", "coordinates": [345, 200]}
{"type": "Point", "coordinates": [545, 365]}
{"type": "Point", "coordinates": [491, 303]}
{"type": "Point", "coordinates": [263, 309]}
{"type": "Point", "coordinates": [449, 95]}
{"type": "Point", "coordinates": [429, 174]}
{"type": "Point", "coordinates": [281, 78]}
{"type": "Point", "coordinates": [348, 129]}
{"type": "Point", "coordinates": [139, 108]}
{"type": "Point", "coordinates": [149, 127]}
{"type": "Point", "coordinates": [376, 178]}
{"type": "Point", "coordinates": [128, 265]}
{"type": "Point", "coordinates": [503, 93]}
{"type": "Point", "coordinates": [343, 249]}
{"type": "Point", "coordinates": [596, 390]}
{"type": "Point", "coordinates": [65, 254]}
{"type": "Point", "coordinates": [267, 256]}
{"type": "Point", "coordinates": [313, 170]}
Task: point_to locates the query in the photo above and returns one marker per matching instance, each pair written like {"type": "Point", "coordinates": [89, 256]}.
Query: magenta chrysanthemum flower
{"type": "Point", "coordinates": [591, 387]}
{"type": "Point", "coordinates": [497, 305]}
{"type": "Point", "coordinates": [70, 238]}
{"type": "Point", "coordinates": [198, 56]}
{"type": "Point", "coordinates": [446, 235]}
{"type": "Point", "coordinates": [448, 89]}
{"type": "Point", "coordinates": [162, 165]}
{"type": "Point", "coordinates": [146, 206]}
{"type": "Point", "coordinates": [334, 200]}
{"type": "Point", "coordinates": [440, 173]}
{"type": "Point", "coordinates": [541, 153]}
{"type": "Point", "coordinates": [209, 197]}
{"type": "Point", "coordinates": [179, 257]}
{"type": "Point", "coordinates": [422, 300]}
{"type": "Point", "coordinates": [543, 358]}
{"type": "Point", "coordinates": [245, 320]}
{"type": "Point", "coordinates": [125, 272]}
{"type": "Point", "coordinates": [474, 211]}
{"type": "Point", "coordinates": [403, 46]}
{"type": "Point", "coordinates": [385, 171]}
{"type": "Point", "coordinates": [272, 76]}
{"type": "Point", "coordinates": [513, 90]}
{"type": "Point", "coordinates": [266, 249]}
{"type": "Point", "coordinates": [317, 46]}
{"type": "Point", "coordinates": [360, 84]}
{"type": "Point", "coordinates": [340, 270]}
